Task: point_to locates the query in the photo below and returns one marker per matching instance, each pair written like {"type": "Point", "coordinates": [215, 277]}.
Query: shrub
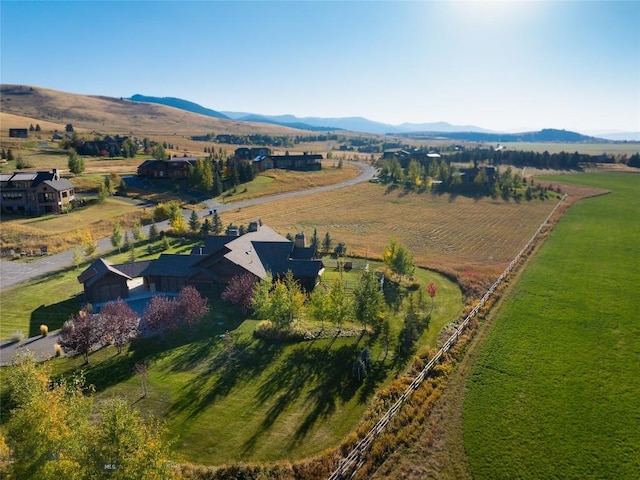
{"type": "Point", "coordinates": [44, 330]}
{"type": "Point", "coordinates": [267, 330]}
{"type": "Point", "coordinates": [17, 337]}
{"type": "Point", "coordinates": [58, 349]}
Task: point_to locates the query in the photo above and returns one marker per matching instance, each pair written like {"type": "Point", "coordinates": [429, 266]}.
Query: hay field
{"type": "Point", "coordinates": [471, 239]}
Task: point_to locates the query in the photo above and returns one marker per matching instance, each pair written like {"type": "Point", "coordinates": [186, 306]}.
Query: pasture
{"type": "Point", "coordinates": [554, 393]}
{"type": "Point", "coordinates": [472, 239]}
{"type": "Point", "coordinates": [65, 231]}
{"type": "Point", "coordinates": [585, 148]}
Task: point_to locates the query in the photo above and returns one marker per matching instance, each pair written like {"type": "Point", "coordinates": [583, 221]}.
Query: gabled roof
{"type": "Point", "coordinates": [172, 265]}
{"type": "Point", "coordinates": [243, 251]}
{"type": "Point", "coordinates": [59, 185]}
{"type": "Point", "coordinates": [213, 244]}
{"type": "Point", "coordinates": [99, 269]}
{"type": "Point", "coordinates": [133, 269]}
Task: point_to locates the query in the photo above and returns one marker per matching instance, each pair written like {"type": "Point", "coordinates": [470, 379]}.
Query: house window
{"type": "Point", "coordinates": [12, 196]}
{"type": "Point", "coordinates": [64, 194]}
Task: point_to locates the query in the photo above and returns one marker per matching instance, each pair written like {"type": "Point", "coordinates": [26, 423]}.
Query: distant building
{"type": "Point", "coordinates": [306, 161]}
{"type": "Point", "coordinates": [18, 132]}
{"type": "Point", "coordinates": [35, 193]}
{"type": "Point", "coordinates": [177, 167]}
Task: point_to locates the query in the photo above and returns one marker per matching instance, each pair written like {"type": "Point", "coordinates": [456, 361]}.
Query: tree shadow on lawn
{"type": "Point", "coordinates": [327, 372]}
{"type": "Point", "coordinates": [247, 361]}
{"type": "Point", "coordinates": [54, 315]}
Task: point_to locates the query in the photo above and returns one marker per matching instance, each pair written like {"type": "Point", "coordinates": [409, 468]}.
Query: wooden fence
{"type": "Point", "coordinates": [350, 464]}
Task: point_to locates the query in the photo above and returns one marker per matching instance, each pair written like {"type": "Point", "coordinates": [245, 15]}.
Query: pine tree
{"type": "Point", "coordinates": [194, 222]}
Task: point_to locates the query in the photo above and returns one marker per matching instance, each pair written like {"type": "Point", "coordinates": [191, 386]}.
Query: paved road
{"type": "Point", "coordinates": [13, 273]}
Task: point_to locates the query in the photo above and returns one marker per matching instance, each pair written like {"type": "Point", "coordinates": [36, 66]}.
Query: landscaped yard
{"type": "Point", "coordinates": [52, 298]}
{"type": "Point", "coordinates": [262, 401]}
{"type": "Point", "coordinates": [555, 391]}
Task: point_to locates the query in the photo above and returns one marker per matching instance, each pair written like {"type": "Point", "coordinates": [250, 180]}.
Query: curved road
{"type": "Point", "coordinates": [13, 273]}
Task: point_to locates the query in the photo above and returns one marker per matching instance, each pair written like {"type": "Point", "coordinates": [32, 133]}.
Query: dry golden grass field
{"type": "Point", "coordinates": [471, 239]}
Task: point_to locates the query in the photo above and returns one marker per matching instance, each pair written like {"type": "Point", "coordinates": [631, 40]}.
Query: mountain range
{"type": "Point", "coordinates": [360, 124]}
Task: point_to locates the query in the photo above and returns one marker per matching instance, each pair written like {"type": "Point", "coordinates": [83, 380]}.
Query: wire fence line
{"type": "Point", "coordinates": [351, 463]}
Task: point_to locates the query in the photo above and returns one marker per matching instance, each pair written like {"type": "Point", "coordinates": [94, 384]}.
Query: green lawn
{"type": "Point", "coordinates": [267, 401]}
{"type": "Point", "coordinates": [50, 299]}
{"type": "Point", "coordinates": [555, 393]}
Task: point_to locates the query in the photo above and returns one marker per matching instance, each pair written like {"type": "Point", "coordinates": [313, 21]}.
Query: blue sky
{"type": "Point", "coordinates": [507, 66]}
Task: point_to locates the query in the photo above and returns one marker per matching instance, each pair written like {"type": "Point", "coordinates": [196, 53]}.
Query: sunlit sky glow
{"type": "Point", "coordinates": [507, 66]}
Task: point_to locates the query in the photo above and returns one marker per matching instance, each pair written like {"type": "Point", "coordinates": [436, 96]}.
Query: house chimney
{"type": "Point", "coordinates": [56, 175]}
{"type": "Point", "coordinates": [299, 241]}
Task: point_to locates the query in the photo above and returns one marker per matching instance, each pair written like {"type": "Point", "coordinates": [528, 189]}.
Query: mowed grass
{"type": "Point", "coordinates": [51, 298]}
{"type": "Point", "coordinates": [266, 401]}
{"type": "Point", "coordinates": [556, 391]}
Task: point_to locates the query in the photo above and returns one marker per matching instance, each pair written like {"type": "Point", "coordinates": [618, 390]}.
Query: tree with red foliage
{"type": "Point", "coordinates": [159, 316]}
{"type": "Point", "coordinates": [190, 305]}
{"type": "Point", "coordinates": [239, 292]}
{"type": "Point", "coordinates": [119, 323]}
{"type": "Point", "coordinates": [432, 290]}
{"type": "Point", "coordinates": [81, 333]}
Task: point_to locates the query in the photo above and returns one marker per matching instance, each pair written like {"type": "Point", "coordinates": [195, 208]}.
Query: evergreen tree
{"type": "Point", "coordinates": [153, 232]}
{"type": "Point", "coordinates": [327, 242]}
{"type": "Point", "coordinates": [315, 242]}
{"type": "Point", "coordinates": [205, 229]}
{"type": "Point", "coordinates": [217, 185]}
{"type": "Point", "coordinates": [216, 228]}
{"type": "Point", "coordinates": [194, 222]}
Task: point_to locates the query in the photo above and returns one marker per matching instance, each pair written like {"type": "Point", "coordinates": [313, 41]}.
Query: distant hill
{"type": "Point", "coordinates": [250, 117]}
{"type": "Point", "coordinates": [540, 136]}
{"type": "Point", "coordinates": [353, 124]}
{"type": "Point", "coordinates": [22, 105]}
{"type": "Point", "coordinates": [179, 103]}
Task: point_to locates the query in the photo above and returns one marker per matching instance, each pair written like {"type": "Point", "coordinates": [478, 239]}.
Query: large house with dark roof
{"type": "Point", "coordinates": [35, 193]}
{"type": "Point", "coordinates": [260, 252]}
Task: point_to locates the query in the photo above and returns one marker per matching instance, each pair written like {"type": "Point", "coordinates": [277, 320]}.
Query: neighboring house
{"type": "Point", "coordinates": [18, 132]}
{"type": "Point", "coordinates": [177, 167]}
{"type": "Point", "coordinates": [306, 161]}
{"type": "Point", "coordinates": [246, 153]}
{"type": "Point", "coordinates": [35, 193]}
{"type": "Point", "coordinates": [260, 252]}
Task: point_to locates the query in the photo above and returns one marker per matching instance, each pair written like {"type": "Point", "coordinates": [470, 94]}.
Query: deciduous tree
{"type": "Point", "coordinates": [119, 323]}
{"type": "Point", "coordinates": [116, 236]}
{"type": "Point", "coordinates": [368, 300]}
{"type": "Point", "coordinates": [75, 162]}
{"type": "Point", "coordinates": [190, 305]}
{"type": "Point", "coordinates": [239, 291]}
{"type": "Point", "coordinates": [81, 333]}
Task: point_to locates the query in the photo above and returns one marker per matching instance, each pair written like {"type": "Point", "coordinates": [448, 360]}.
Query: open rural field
{"type": "Point", "coordinates": [585, 148]}
{"type": "Point", "coordinates": [555, 391]}
{"type": "Point", "coordinates": [469, 238]}
{"type": "Point", "coordinates": [62, 232]}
